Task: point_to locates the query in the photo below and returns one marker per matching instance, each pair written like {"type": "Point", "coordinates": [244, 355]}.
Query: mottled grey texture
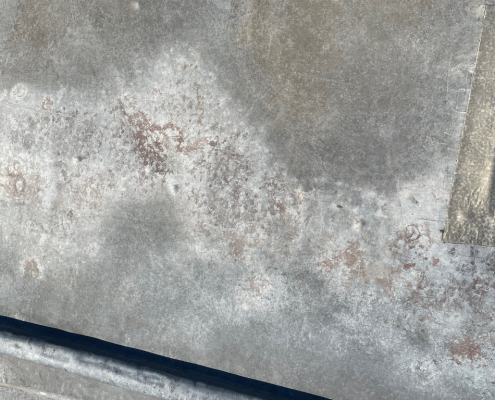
{"type": "Point", "coordinates": [11, 393]}
{"type": "Point", "coordinates": [471, 210]}
{"type": "Point", "coordinates": [256, 186]}
{"type": "Point", "coordinates": [20, 378]}
{"type": "Point", "coordinates": [38, 366]}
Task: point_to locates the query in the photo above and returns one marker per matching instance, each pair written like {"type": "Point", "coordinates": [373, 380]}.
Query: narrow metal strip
{"type": "Point", "coordinates": [471, 212]}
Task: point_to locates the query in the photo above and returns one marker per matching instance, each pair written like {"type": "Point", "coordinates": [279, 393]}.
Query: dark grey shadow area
{"type": "Point", "coordinates": [350, 97]}
{"type": "Point", "coordinates": [86, 45]}
{"type": "Point", "coordinates": [343, 91]}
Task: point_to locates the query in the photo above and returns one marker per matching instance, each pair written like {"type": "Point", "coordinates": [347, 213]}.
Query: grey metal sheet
{"type": "Point", "coordinates": [256, 186]}
{"type": "Point", "coordinates": [8, 393]}
{"type": "Point", "coordinates": [471, 214]}
{"type": "Point", "coordinates": [22, 379]}
{"type": "Point", "coordinates": [38, 365]}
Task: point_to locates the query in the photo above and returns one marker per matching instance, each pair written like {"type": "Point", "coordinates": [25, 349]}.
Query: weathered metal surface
{"type": "Point", "coordinates": [471, 214]}
{"type": "Point", "coordinates": [25, 380]}
{"type": "Point", "coordinates": [256, 186]}
{"type": "Point", "coordinates": [46, 360]}
{"type": "Point", "coordinates": [46, 356]}
{"type": "Point", "coordinates": [9, 393]}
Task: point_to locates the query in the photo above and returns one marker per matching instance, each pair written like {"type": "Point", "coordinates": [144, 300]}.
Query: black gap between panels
{"type": "Point", "coordinates": [160, 364]}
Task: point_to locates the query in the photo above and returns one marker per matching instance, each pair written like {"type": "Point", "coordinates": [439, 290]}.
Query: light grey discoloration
{"type": "Point", "coordinates": [471, 215]}
{"type": "Point", "coordinates": [86, 375]}
{"type": "Point", "coordinates": [21, 379]}
{"type": "Point", "coordinates": [256, 187]}
{"type": "Point", "coordinates": [9, 393]}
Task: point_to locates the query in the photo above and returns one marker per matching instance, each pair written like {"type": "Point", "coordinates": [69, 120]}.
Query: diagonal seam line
{"type": "Point", "coordinates": [130, 368]}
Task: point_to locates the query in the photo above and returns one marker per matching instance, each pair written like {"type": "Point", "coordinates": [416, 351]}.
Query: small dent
{"type": "Point", "coordinates": [19, 91]}
{"type": "Point", "coordinates": [47, 104]}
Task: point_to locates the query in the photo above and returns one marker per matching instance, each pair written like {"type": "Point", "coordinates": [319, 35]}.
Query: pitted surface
{"type": "Point", "coordinates": [258, 187]}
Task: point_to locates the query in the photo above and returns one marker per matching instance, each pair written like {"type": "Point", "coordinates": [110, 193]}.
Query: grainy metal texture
{"type": "Point", "coordinates": [144, 381]}
{"type": "Point", "coordinates": [12, 393]}
{"type": "Point", "coordinates": [255, 186]}
{"type": "Point", "coordinates": [29, 380]}
{"type": "Point", "coordinates": [471, 213]}
{"type": "Point", "coordinates": [119, 365]}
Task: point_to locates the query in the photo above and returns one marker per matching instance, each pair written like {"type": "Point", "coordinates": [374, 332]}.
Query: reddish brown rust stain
{"type": "Point", "coordinates": [152, 140]}
{"type": "Point", "coordinates": [16, 185]}
{"type": "Point", "coordinates": [351, 257]}
{"type": "Point", "coordinates": [257, 284]}
{"type": "Point", "coordinates": [229, 202]}
{"type": "Point", "coordinates": [435, 261]}
{"type": "Point", "coordinates": [421, 284]}
{"type": "Point", "coordinates": [236, 245]}
{"type": "Point", "coordinates": [385, 282]}
{"type": "Point", "coordinates": [463, 349]}
{"type": "Point", "coordinates": [388, 282]}
{"type": "Point", "coordinates": [327, 265]}
{"type": "Point", "coordinates": [196, 145]}
{"type": "Point", "coordinates": [31, 269]}
{"type": "Point", "coordinates": [155, 142]}
{"type": "Point", "coordinates": [409, 236]}
{"type": "Point", "coordinates": [409, 265]}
